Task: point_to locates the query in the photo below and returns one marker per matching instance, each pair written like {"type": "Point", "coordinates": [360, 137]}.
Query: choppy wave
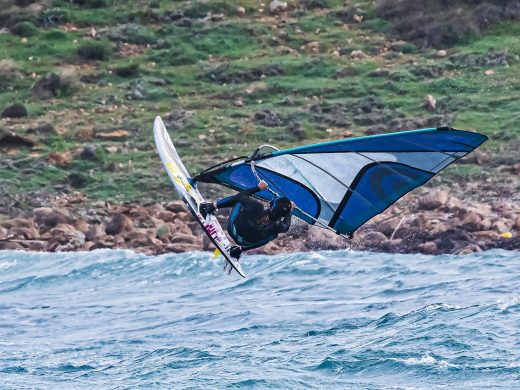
{"type": "Point", "coordinates": [116, 319]}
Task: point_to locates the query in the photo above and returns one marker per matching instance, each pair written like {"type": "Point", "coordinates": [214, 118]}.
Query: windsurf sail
{"type": "Point", "coordinates": [342, 184]}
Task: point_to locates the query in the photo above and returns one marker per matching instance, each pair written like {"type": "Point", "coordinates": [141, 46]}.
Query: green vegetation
{"type": "Point", "coordinates": [226, 79]}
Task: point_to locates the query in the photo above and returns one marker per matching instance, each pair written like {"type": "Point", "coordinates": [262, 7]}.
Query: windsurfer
{"type": "Point", "coordinates": [250, 224]}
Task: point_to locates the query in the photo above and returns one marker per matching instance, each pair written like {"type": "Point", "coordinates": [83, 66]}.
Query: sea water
{"type": "Point", "coordinates": [326, 320]}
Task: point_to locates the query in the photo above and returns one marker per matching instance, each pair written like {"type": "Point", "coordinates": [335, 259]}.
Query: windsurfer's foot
{"type": "Point", "coordinates": [206, 209]}
{"type": "Point", "coordinates": [235, 251]}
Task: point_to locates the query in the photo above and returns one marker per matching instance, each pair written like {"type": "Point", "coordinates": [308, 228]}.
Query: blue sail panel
{"type": "Point", "coordinates": [379, 186]}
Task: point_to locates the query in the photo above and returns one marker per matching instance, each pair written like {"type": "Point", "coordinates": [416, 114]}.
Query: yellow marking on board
{"type": "Point", "coordinates": [506, 235]}
{"type": "Point", "coordinates": [216, 254]}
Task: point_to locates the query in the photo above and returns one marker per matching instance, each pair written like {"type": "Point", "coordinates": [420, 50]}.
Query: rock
{"type": "Point", "coordinates": [181, 248]}
{"type": "Point", "coordinates": [375, 236]}
{"type": "Point", "coordinates": [241, 11]}
{"type": "Point", "coordinates": [9, 245]}
{"type": "Point", "coordinates": [116, 134]}
{"type": "Point", "coordinates": [88, 153]}
{"type": "Point", "coordinates": [95, 233]}
{"type": "Point", "coordinates": [47, 87]}
{"type": "Point", "coordinates": [470, 221]}
{"type": "Point", "coordinates": [101, 244]}
{"type": "Point", "coordinates": [185, 239]}
{"type": "Point", "coordinates": [16, 110]}
{"type": "Point", "coordinates": [42, 129]}
{"type": "Point", "coordinates": [3, 233]}
{"type": "Point", "coordinates": [60, 159]}
{"type": "Point", "coordinates": [140, 237]}
{"type": "Point", "coordinates": [8, 139]}
{"type": "Point", "coordinates": [485, 224]}
{"type": "Point", "coordinates": [82, 226]}
{"type": "Point", "coordinates": [388, 226]}
{"type": "Point", "coordinates": [442, 53]}
{"type": "Point", "coordinates": [469, 249]}
{"type": "Point", "coordinates": [430, 103]}
{"type": "Point", "coordinates": [500, 227]}
{"type": "Point", "coordinates": [166, 216]}
{"type": "Point", "coordinates": [481, 158]}
{"type": "Point", "coordinates": [453, 204]}
{"type": "Point", "coordinates": [357, 18]}
{"type": "Point", "coordinates": [358, 55]}
{"type": "Point", "coordinates": [17, 222]}
{"type": "Point", "coordinates": [277, 6]}
{"type": "Point", "coordinates": [268, 118]}
{"type": "Point", "coordinates": [429, 248]}
{"type": "Point", "coordinates": [433, 199]}
{"type": "Point", "coordinates": [313, 46]}
{"type": "Point", "coordinates": [118, 224]}
{"type": "Point", "coordinates": [23, 233]}
{"type": "Point", "coordinates": [487, 235]}
{"type": "Point", "coordinates": [489, 72]}
{"type": "Point", "coordinates": [47, 217]}
{"type": "Point", "coordinates": [85, 134]}
{"type": "Point", "coordinates": [517, 224]}
{"type": "Point", "coordinates": [183, 216]}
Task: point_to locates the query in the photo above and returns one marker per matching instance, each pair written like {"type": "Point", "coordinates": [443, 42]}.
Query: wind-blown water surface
{"type": "Point", "coordinates": [115, 319]}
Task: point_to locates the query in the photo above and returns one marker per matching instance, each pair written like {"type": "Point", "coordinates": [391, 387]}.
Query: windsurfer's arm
{"type": "Point", "coordinates": [230, 201]}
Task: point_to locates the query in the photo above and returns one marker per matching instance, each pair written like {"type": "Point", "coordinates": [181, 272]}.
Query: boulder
{"type": "Point", "coordinates": [95, 233]}
{"type": "Point", "coordinates": [433, 199]}
{"type": "Point", "coordinates": [82, 226]}
{"type": "Point", "coordinates": [16, 110]}
{"type": "Point", "coordinates": [183, 216]}
{"type": "Point", "coordinates": [88, 153]}
{"type": "Point", "coordinates": [17, 222]}
{"type": "Point", "coordinates": [166, 216]}
{"type": "Point", "coordinates": [500, 226]}
{"type": "Point", "coordinates": [67, 233]}
{"type": "Point", "coordinates": [470, 221]}
{"type": "Point", "coordinates": [9, 139]}
{"type": "Point", "coordinates": [186, 239]}
{"type": "Point", "coordinates": [277, 6]}
{"type": "Point", "coordinates": [60, 159]}
{"type": "Point", "coordinates": [176, 206]}
{"type": "Point", "coordinates": [42, 129]}
{"type": "Point", "coordinates": [469, 249]}
{"type": "Point", "coordinates": [3, 233]}
{"type": "Point", "coordinates": [23, 233]}
{"type": "Point", "coordinates": [47, 217]}
{"type": "Point", "coordinates": [118, 224]}
{"type": "Point", "coordinates": [9, 245]}
{"type": "Point", "coordinates": [47, 87]}
{"type": "Point", "coordinates": [429, 248]}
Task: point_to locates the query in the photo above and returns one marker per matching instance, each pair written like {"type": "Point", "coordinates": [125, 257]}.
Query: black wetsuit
{"type": "Point", "coordinates": [249, 224]}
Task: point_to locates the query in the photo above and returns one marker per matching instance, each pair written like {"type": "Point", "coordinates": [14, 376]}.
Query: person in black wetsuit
{"type": "Point", "coordinates": [250, 224]}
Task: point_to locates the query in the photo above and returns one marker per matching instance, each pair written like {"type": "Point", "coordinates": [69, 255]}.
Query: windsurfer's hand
{"type": "Point", "coordinates": [293, 205]}
{"type": "Point", "coordinates": [262, 185]}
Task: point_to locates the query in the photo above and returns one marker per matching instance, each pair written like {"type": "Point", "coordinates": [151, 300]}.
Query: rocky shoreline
{"type": "Point", "coordinates": [433, 222]}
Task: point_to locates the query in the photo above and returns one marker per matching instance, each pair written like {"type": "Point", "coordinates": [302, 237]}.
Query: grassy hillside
{"type": "Point", "coordinates": [228, 76]}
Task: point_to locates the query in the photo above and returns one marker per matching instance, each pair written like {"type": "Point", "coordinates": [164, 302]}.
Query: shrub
{"type": "Point", "coordinates": [128, 70]}
{"type": "Point", "coordinates": [94, 50]}
{"type": "Point", "coordinates": [443, 23]}
{"type": "Point", "coordinates": [53, 16]}
{"type": "Point", "coordinates": [24, 29]}
{"type": "Point", "coordinates": [90, 3]}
